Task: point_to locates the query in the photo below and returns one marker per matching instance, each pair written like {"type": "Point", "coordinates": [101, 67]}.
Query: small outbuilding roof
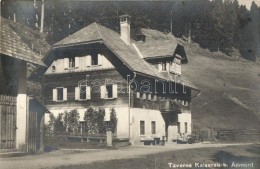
{"type": "Point", "coordinates": [11, 44]}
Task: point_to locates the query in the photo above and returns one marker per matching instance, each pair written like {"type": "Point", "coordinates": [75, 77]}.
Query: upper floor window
{"type": "Point", "coordinates": [82, 92]}
{"type": "Point", "coordinates": [163, 66]}
{"type": "Point", "coordinates": [59, 94]}
{"type": "Point", "coordinates": [108, 91]}
{"type": "Point", "coordinates": [94, 60]}
{"type": "Point", "coordinates": [71, 62]}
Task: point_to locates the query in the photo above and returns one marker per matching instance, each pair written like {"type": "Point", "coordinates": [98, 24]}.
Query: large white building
{"type": "Point", "coordinates": [141, 79]}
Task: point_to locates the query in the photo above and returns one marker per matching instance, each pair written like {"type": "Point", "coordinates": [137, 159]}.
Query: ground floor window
{"type": "Point", "coordinates": [179, 127]}
{"type": "Point", "coordinates": [186, 127]}
{"type": "Point", "coordinates": [142, 127]}
{"type": "Point", "coordinates": [153, 125]}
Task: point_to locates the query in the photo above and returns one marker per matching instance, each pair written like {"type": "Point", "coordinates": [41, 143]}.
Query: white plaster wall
{"type": "Point", "coordinates": [185, 116]}
{"type": "Point", "coordinates": [122, 113]}
{"type": "Point", "coordinates": [138, 114]}
{"type": "Point", "coordinates": [59, 64]}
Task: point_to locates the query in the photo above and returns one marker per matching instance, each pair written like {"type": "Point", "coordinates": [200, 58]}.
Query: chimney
{"type": "Point", "coordinates": [125, 28]}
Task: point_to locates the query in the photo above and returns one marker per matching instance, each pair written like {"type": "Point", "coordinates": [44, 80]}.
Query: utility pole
{"type": "Point", "coordinates": [189, 38]}
{"type": "Point", "coordinates": [42, 17]}
{"type": "Point", "coordinates": [171, 21]}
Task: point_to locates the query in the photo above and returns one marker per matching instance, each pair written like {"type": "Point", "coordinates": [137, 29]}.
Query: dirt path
{"type": "Point", "coordinates": [72, 157]}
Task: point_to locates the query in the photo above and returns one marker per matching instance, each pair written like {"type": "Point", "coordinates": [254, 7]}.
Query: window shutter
{"type": "Point", "coordinates": [64, 93]}
{"type": "Point", "coordinates": [155, 98]}
{"type": "Point", "coordinates": [100, 59]}
{"type": "Point", "coordinates": [138, 95]}
{"type": "Point", "coordinates": [167, 66]}
{"type": "Point", "coordinates": [88, 60]}
{"type": "Point", "coordinates": [114, 90]}
{"type": "Point", "coordinates": [76, 61]}
{"type": "Point", "coordinates": [102, 91]}
{"type": "Point", "coordinates": [54, 94]}
{"type": "Point", "coordinates": [77, 94]}
{"type": "Point", "coordinates": [160, 66]}
{"type": "Point", "coordinates": [144, 95]}
{"type": "Point", "coordinates": [88, 93]}
{"type": "Point", "coordinates": [149, 96]}
{"type": "Point", "coordinates": [66, 63]}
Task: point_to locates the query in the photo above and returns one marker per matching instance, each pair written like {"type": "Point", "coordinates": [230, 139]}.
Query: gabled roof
{"type": "Point", "coordinates": [127, 53]}
{"type": "Point", "coordinates": [12, 45]}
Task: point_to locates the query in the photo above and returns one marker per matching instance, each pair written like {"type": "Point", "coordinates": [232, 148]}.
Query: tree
{"type": "Point", "coordinates": [113, 120]}
{"type": "Point", "coordinates": [94, 119]}
{"type": "Point", "coordinates": [71, 121]}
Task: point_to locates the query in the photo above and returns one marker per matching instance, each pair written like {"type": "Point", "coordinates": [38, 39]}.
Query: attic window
{"type": "Point", "coordinates": [163, 66]}
{"type": "Point", "coordinates": [94, 59]}
{"type": "Point", "coordinates": [53, 68]}
{"type": "Point", "coordinates": [71, 62]}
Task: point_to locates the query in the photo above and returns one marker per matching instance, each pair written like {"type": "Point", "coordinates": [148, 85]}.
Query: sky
{"type": "Point", "coordinates": [248, 3]}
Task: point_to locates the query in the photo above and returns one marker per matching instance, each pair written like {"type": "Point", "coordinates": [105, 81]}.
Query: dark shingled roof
{"type": "Point", "coordinates": [12, 45]}
{"type": "Point", "coordinates": [157, 44]}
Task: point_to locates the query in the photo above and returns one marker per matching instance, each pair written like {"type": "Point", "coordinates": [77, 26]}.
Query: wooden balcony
{"type": "Point", "coordinates": [170, 106]}
{"type": "Point", "coordinates": [164, 106]}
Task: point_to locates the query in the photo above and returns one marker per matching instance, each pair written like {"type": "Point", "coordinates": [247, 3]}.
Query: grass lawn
{"type": "Point", "coordinates": [238, 155]}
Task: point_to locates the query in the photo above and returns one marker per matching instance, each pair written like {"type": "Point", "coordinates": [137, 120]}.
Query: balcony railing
{"type": "Point", "coordinates": [170, 105]}
{"type": "Point", "coordinates": [164, 106]}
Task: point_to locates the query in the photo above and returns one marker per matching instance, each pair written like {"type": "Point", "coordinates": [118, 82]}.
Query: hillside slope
{"type": "Point", "coordinates": [230, 90]}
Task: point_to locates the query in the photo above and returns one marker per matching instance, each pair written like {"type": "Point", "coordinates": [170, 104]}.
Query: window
{"type": "Point", "coordinates": [164, 66]}
{"type": "Point", "coordinates": [179, 127]}
{"type": "Point", "coordinates": [108, 91]}
{"type": "Point", "coordinates": [142, 128]}
{"type": "Point", "coordinates": [186, 127]}
{"type": "Point", "coordinates": [59, 94]}
{"type": "Point", "coordinates": [94, 59]}
{"type": "Point", "coordinates": [82, 92]}
{"type": "Point", "coordinates": [53, 68]}
{"type": "Point", "coordinates": [153, 125]}
{"type": "Point", "coordinates": [71, 62]}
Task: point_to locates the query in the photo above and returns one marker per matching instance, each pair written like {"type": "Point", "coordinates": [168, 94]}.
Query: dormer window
{"type": "Point", "coordinates": [163, 66]}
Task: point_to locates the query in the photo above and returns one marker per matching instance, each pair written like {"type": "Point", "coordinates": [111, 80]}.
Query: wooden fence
{"type": "Point", "coordinates": [8, 122]}
{"type": "Point", "coordinates": [239, 135]}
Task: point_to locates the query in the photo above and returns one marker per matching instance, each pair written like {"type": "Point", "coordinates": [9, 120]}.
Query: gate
{"type": "Point", "coordinates": [8, 122]}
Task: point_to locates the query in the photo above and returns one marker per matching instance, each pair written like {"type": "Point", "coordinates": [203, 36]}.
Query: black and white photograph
{"type": "Point", "coordinates": [116, 84]}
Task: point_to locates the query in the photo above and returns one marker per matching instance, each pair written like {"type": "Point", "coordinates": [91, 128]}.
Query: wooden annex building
{"type": "Point", "coordinates": [21, 116]}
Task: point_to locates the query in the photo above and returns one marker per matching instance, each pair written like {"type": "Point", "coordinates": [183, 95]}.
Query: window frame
{"type": "Point", "coordinates": [153, 127]}
{"type": "Point", "coordinates": [58, 89]}
{"type": "Point", "coordinates": [142, 127]}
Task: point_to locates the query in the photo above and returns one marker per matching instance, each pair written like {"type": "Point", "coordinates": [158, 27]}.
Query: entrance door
{"type": "Point", "coordinates": [7, 122]}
